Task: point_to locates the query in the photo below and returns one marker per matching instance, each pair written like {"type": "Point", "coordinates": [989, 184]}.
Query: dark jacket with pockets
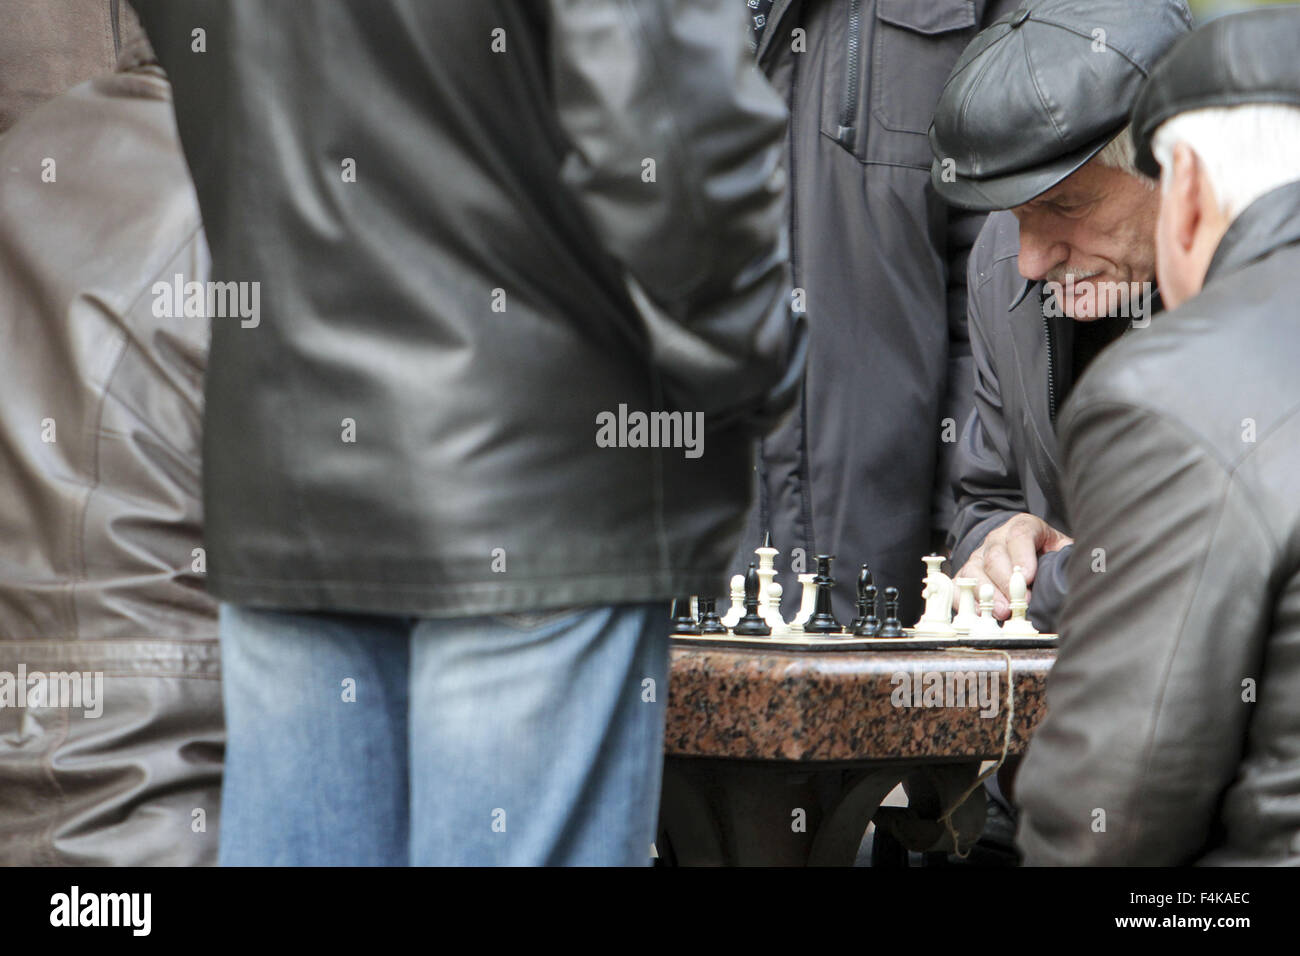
{"type": "Point", "coordinates": [860, 470]}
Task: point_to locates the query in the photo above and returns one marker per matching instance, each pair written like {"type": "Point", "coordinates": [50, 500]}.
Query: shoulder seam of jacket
{"type": "Point", "coordinates": [1202, 444]}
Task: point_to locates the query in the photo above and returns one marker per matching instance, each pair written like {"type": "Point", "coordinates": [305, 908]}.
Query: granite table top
{"type": "Point", "coordinates": [760, 704]}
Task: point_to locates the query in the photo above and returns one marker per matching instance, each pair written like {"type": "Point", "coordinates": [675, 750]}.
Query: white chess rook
{"type": "Point", "coordinates": [967, 615]}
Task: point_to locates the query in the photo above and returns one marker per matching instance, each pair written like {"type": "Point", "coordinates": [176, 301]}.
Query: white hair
{"type": "Point", "coordinates": [1245, 150]}
{"type": "Point", "coordinates": [1121, 154]}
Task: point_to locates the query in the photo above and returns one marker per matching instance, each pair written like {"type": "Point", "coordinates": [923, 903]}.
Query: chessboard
{"type": "Point", "coordinates": [847, 642]}
{"type": "Point", "coordinates": [754, 620]}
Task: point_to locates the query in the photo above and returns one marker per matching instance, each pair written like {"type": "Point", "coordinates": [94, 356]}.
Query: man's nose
{"type": "Point", "coordinates": [1040, 253]}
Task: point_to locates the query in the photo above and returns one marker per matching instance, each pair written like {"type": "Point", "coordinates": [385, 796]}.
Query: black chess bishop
{"type": "Point", "coordinates": [864, 581]}
{"type": "Point", "coordinates": [752, 624]}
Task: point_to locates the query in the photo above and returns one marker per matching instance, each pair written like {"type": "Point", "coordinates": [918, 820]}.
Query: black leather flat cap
{"type": "Point", "coordinates": [1041, 91]}
{"type": "Point", "coordinates": [1243, 58]}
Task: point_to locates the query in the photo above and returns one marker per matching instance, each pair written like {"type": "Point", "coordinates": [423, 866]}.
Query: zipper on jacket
{"type": "Point", "coordinates": [1051, 369]}
{"type": "Point", "coordinates": [850, 114]}
{"type": "Point", "coordinates": [804, 469]}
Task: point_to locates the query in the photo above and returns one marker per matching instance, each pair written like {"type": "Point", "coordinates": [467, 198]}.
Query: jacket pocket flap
{"type": "Point", "coordinates": [927, 16]}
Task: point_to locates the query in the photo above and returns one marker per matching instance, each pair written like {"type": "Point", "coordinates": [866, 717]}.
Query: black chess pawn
{"type": "Point", "coordinates": [864, 581]}
{"type": "Point", "coordinates": [869, 625]}
{"type": "Point", "coordinates": [710, 623]}
{"type": "Point", "coordinates": [752, 624]}
{"type": "Point", "coordinates": [683, 623]}
{"type": "Point", "coordinates": [823, 619]}
{"type": "Point", "coordinates": [892, 626]}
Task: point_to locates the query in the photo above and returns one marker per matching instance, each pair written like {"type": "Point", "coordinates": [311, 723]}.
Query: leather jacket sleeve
{"type": "Point", "coordinates": [986, 481]}
{"type": "Point", "coordinates": [1146, 715]}
{"type": "Point", "coordinates": [1048, 593]}
{"type": "Point", "coordinates": [676, 161]}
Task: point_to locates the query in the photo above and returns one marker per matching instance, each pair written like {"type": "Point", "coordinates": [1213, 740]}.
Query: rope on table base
{"type": "Point", "coordinates": [946, 818]}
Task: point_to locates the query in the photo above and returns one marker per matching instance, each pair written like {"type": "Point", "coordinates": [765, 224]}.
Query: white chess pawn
{"type": "Point", "coordinates": [737, 609]}
{"type": "Point", "coordinates": [937, 619]}
{"type": "Point", "coordinates": [967, 616]}
{"type": "Point", "coordinates": [807, 603]}
{"type": "Point", "coordinates": [1019, 624]}
{"type": "Point", "coordinates": [987, 625]}
{"type": "Point", "coordinates": [772, 614]}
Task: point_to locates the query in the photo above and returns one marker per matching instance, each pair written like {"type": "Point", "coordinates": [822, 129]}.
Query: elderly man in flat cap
{"type": "Point", "coordinates": [1173, 727]}
{"type": "Point", "coordinates": [1032, 122]}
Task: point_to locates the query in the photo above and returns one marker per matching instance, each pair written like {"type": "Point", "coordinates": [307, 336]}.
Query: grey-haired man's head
{"type": "Point", "coordinates": [1034, 119]}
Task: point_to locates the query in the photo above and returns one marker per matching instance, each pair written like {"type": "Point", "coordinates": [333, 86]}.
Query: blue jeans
{"type": "Point", "coordinates": [509, 740]}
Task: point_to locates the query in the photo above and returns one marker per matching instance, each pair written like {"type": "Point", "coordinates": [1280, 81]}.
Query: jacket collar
{"type": "Point", "coordinates": [1267, 224]}
{"type": "Point", "coordinates": [1024, 291]}
{"type": "Point", "coordinates": [779, 8]}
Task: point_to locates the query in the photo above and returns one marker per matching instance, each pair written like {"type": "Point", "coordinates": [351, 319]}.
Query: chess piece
{"type": "Point", "coordinates": [937, 619]}
{"type": "Point", "coordinates": [772, 615]}
{"type": "Point", "coordinates": [870, 626]}
{"type": "Point", "coordinates": [809, 584]}
{"type": "Point", "coordinates": [683, 622]}
{"type": "Point", "coordinates": [766, 573]}
{"type": "Point", "coordinates": [711, 623]}
{"type": "Point", "coordinates": [737, 609]}
{"type": "Point", "coordinates": [823, 620]}
{"type": "Point", "coordinates": [864, 581]}
{"type": "Point", "coordinates": [967, 615]}
{"type": "Point", "coordinates": [1019, 624]}
{"type": "Point", "coordinates": [752, 624]}
{"type": "Point", "coordinates": [987, 625]}
{"type": "Point", "coordinates": [892, 627]}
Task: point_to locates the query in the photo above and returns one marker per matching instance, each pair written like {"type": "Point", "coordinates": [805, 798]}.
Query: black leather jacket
{"type": "Point", "coordinates": [1172, 707]}
{"type": "Point", "coordinates": [558, 209]}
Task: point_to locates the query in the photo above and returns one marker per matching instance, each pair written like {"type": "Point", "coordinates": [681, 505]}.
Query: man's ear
{"type": "Point", "coordinates": [1186, 195]}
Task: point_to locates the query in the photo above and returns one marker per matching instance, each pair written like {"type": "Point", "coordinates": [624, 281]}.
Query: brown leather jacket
{"type": "Point", "coordinates": [100, 408]}
{"type": "Point", "coordinates": [46, 48]}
